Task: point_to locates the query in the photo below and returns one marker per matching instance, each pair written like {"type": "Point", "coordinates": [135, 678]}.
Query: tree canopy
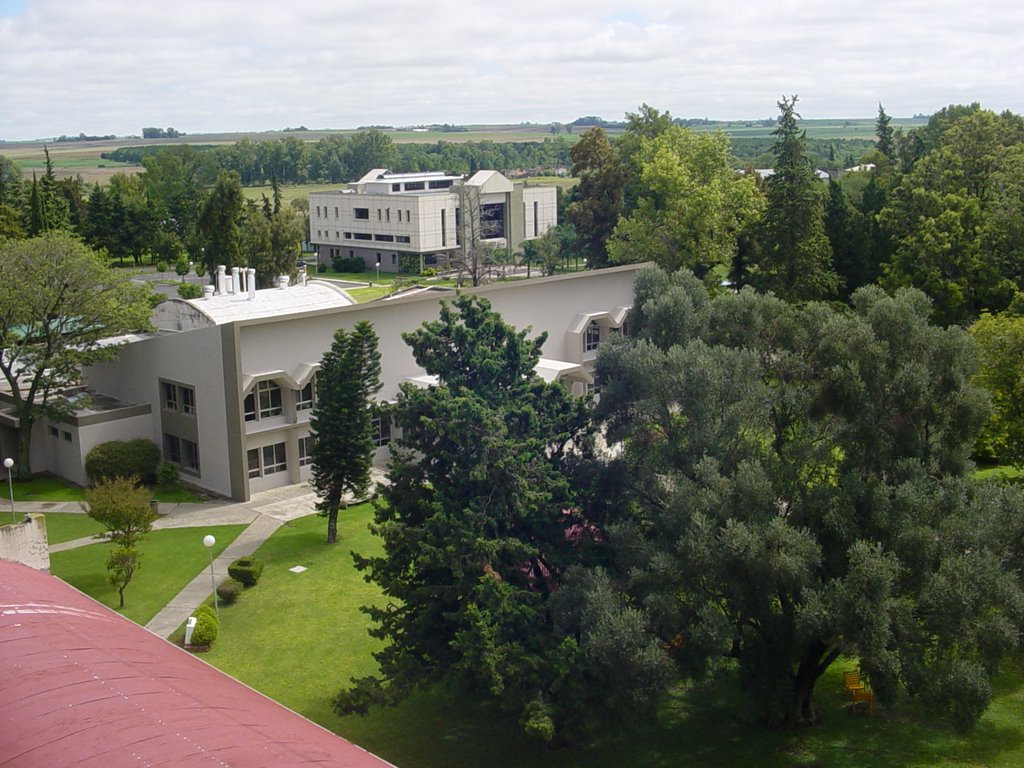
{"type": "Point", "coordinates": [58, 300]}
{"type": "Point", "coordinates": [799, 493]}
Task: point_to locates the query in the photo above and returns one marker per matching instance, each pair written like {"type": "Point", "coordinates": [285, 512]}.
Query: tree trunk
{"type": "Point", "coordinates": [24, 463]}
{"type": "Point", "coordinates": [120, 594]}
{"type": "Point", "coordinates": [332, 526]}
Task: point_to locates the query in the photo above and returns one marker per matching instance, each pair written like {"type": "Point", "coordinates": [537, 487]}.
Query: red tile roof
{"type": "Point", "coordinates": [82, 686]}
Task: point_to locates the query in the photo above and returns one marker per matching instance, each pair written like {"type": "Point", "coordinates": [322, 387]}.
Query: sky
{"type": "Point", "coordinates": [112, 66]}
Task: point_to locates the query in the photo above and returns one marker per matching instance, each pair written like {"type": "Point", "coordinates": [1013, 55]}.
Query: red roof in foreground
{"type": "Point", "coordinates": [82, 686]}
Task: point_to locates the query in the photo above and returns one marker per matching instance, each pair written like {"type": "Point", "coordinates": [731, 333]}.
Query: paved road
{"type": "Point", "coordinates": [263, 514]}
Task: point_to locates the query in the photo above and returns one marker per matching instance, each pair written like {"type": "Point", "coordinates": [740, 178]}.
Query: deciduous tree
{"type": "Point", "coordinates": [58, 300]}
{"type": "Point", "coordinates": [121, 505]}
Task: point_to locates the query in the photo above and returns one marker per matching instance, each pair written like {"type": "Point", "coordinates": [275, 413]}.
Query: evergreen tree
{"type": "Point", "coordinates": [886, 135]}
{"type": "Point", "coordinates": [597, 199]}
{"type": "Point", "coordinates": [219, 223]}
{"type": "Point", "coordinates": [796, 258]}
{"type": "Point", "coordinates": [348, 378]}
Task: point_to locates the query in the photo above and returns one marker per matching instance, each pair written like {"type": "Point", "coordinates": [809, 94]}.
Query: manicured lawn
{"type": "Point", "coordinates": [65, 526]}
{"type": "Point", "coordinates": [171, 559]}
{"type": "Point", "coordinates": [300, 637]}
{"type": "Point", "coordinates": [47, 489]}
{"type": "Point", "coordinates": [1001, 472]}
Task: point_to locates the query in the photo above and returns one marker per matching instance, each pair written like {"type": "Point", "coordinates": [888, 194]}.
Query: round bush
{"type": "Point", "coordinates": [123, 458]}
{"type": "Point", "coordinates": [207, 626]}
{"type": "Point", "coordinates": [228, 591]}
{"type": "Point", "coordinates": [189, 290]}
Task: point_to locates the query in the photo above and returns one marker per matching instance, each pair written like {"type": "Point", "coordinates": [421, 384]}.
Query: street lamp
{"type": "Point", "coordinates": [208, 542]}
{"type": "Point", "coordinates": [9, 462]}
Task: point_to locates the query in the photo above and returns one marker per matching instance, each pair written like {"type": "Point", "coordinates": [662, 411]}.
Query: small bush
{"type": "Point", "coordinates": [161, 266]}
{"type": "Point", "coordinates": [321, 267]}
{"type": "Point", "coordinates": [167, 474]}
{"type": "Point", "coordinates": [348, 264]}
{"type": "Point", "coordinates": [246, 570]}
{"type": "Point", "coordinates": [123, 458]}
{"type": "Point", "coordinates": [207, 626]}
{"type": "Point", "coordinates": [228, 591]}
{"type": "Point", "coordinates": [190, 290]}
{"type": "Point", "coordinates": [429, 272]}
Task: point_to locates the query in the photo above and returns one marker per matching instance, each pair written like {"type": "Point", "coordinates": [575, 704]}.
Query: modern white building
{"type": "Point", "coordinates": [412, 221]}
{"type": "Point", "coordinates": [226, 383]}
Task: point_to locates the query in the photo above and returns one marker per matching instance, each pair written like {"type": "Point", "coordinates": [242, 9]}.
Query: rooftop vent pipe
{"type": "Point", "coordinates": [221, 288]}
{"type": "Point", "coordinates": [250, 280]}
{"type": "Point", "coordinates": [282, 282]}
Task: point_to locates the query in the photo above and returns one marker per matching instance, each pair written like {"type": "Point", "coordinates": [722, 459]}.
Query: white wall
{"type": "Point", "coordinates": [25, 542]}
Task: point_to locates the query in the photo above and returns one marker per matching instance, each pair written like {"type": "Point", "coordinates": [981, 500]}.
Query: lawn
{"type": "Point", "coordinates": [300, 637]}
{"type": "Point", "coordinates": [66, 526]}
{"type": "Point", "coordinates": [171, 559]}
{"type": "Point", "coordinates": [46, 488]}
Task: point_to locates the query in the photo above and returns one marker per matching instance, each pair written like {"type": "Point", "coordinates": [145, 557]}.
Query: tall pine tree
{"type": "Point", "coordinates": [341, 424]}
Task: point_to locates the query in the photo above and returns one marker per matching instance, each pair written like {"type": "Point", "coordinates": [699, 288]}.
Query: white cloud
{"type": "Point", "coordinates": [105, 66]}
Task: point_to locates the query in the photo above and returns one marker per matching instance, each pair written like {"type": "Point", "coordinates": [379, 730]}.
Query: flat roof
{"type": "Point", "coordinates": [86, 687]}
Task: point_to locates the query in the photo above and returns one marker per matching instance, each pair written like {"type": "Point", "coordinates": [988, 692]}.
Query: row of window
{"type": "Point", "coordinates": [184, 453]}
{"type": "Point", "coordinates": [365, 236]}
{"type": "Point", "coordinates": [266, 400]}
{"type": "Point", "coordinates": [178, 397]}
{"type": "Point", "coordinates": [270, 459]}
{"type": "Point", "coordinates": [383, 214]}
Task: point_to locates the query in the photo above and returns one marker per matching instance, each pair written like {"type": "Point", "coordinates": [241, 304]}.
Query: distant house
{"type": "Point", "coordinates": [412, 221]}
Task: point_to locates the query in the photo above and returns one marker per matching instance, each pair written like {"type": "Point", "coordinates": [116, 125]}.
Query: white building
{"type": "Point", "coordinates": [226, 383]}
{"type": "Point", "coordinates": [386, 218]}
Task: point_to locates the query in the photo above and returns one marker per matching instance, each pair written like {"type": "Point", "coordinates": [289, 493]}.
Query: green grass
{"type": "Point", "coordinates": [363, 295]}
{"type": "Point", "coordinates": [47, 489]}
{"type": "Point", "coordinates": [1001, 472]}
{"type": "Point", "coordinates": [300, 637]}
{"type": "Point", "coordinates": [171, 559]}
{"type": "Point", "coordinates": [65, 526]}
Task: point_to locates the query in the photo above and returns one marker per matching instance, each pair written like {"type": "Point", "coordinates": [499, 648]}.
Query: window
{"type": "Point", "coordinates": [444, 232]}
{"type": "Point", "coordinates": [413, 186]}
{"type": "Point", "coordinates": [305, 451]}
{"type": "Point", "coordinates": [535, 218]}
{"type": "Point", "coordinates": [66, 435]}
{"type": "Point", "coordinates": [593, 337]}
{"type": "Point", "coordinates": [442, 184]}
{"type": "Point", "coordinates": [399, 214]}
{"type": "Point", "coordinates": [170, 396]}
{"type": "Point", "coordinates": [184, 453]}
{"type": "Point", "coordinates": [188, 400]}
{"type": "Point", "coordinates": [268, 395]}
{"type": "Point", "coordinates": [385, 238]}
{"type": "Point", "coordinates": [402, 239]}
{"type": "Point", "coordinates": [274, 459]}
{"type": "Point", "coordinates": [348, 235]}
{"type": "Point", "coordinates": [250, 407]}
{"type": "Point", "coordinates": [363, 236]}
{"type": "Point", "coordinates": [378, 214]}
{"type": "Point", "coordinates": [361, 213]}
{"type": "Point", "coordinates": [54, 432]}
{"type": "Point", "coordinates": [396, 187]}
{"type": "Point", "coordinates": [266, 460]}
{"type": "Point", "coordinates": [380, 429]}
{"type": "Point", "coordinates": [394, 259]}
{"type": "Point", "coordinates": [306, 396]}
{"type": "Point", "coordinates": [336, 211]}
{"type": "Point", "coordinates": [387, 214]}
{"type": "Point", "coordinates": [318, 211]}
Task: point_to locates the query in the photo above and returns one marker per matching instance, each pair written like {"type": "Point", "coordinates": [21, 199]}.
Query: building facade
{"type": "Point", "coordinates": [413, 221]}
{"type": "Point", "coordinates": [227, 383]}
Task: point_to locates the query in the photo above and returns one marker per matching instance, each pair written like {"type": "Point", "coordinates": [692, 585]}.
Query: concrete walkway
{"type": "Point", "coordinates": [263, 514]}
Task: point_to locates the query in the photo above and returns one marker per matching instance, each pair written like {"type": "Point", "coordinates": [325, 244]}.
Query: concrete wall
{"type": "Point", "coordinates": [194, 358]}
{"type": "Point", "coordinates": [25, 542]}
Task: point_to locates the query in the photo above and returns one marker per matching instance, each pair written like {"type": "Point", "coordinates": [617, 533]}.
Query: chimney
{"type": "Point", "coordinates": [221, 288]}
{"type": "Point", "coordinates": [236, 280]}
{"type": "Point", "coordinates": [207, 292]}
{"type": "Point", "coordinates": [250, 279]}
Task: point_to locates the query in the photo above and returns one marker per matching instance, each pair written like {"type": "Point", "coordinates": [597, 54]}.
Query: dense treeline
{"type": "Point", "coordinates": [341, 158]}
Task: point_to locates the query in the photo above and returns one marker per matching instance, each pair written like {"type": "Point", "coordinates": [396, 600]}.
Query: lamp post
{"type": "Point", "coordinates": [9, 462]}
{"type": "Point", "coordinates": [208, 542]}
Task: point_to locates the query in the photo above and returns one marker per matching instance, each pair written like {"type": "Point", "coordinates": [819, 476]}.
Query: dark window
{"type": "Point", "coordinates": [250, 407]}
{"type": "Point", "coordinates": [188, 400]}
{"type": "Point", "coordinates": [305, 451]}
{"type": "Point", "coordinates": [385, 238]}
{"type": "Point", "coordinates": [593, 337]}
{"type": "Point", "coordinates": [363, 236]}
{"type": "Point", "coordinates": [402, 239]}
{"type": "Point", "coordinates": [361, 213]}
{"type": "Point", "coordinates": [54, 432]}
{"type": "Point", "coordinates": [396, 187]}
{"type": "Point", "coordinates": [172, 449]}
{"type": "Point", "coordinates": [269, 396]}
{"type": "Point", "coordinates": [274, 459]}
{"type": "Point", "coordinates": [170, 396]}
{"type": "Point", "coordinates": [492, 220]}
{"type": "Point", "coordinates": [536, 225]}
{"type": "Point", "coordinates": [306, 396]}
{"type": "Point", "coordinates": [413, 186]}
{"type": "Point", "coordinates": [65, 435]}
{"type": "Point", "coordinates": [380, 429]}
{"type": "Point", "coordinates": [444, 230]}
{"type": "Point", "coordinates": [442, 184]}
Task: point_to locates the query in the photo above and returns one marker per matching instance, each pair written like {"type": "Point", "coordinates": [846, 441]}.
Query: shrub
{"type": "Point", "coordinates": [348, 264]}
{"type": "Point", "coordinates": [207, 626]}
{"type": "Point", "coordinates": [429, 272]}
{"type": "Point", "coordinates": [161, 265]}
{"type": "Point", "coordinates": [123, 458]}
{"type": "Point", "coordinates": [321, 267]}
{"type": "Point", "coordinates": [167, 474]}
{"type": "Point", "coordinates": [190, 290]}
{"type": "Point", "coordinates": [246, 570]}
{"type": "Point", "coordinates": [228, 591]}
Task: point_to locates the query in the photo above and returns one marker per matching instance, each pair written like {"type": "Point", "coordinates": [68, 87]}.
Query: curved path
{"type": "Point", "coordinates": [263, 514]}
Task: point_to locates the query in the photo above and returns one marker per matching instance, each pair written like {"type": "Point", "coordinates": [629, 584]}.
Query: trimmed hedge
{"type": "Point", "coordinates": [207, 626]}
{"type": "Point", "coordinates": [228, 591]}
{"type": "Point", "coordinates": [123, 458]}
{"type": "Point", "coordinates": [348, 264]}
{"type": "Point", "coordinates": [246, 570]}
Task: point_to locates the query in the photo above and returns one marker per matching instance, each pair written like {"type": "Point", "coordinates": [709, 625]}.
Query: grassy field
{"type": "Point", "coordinates": [300, 637]}
{"type": "Point", "coordinates": [65, 526]}
{"type": "Point", "coordinates": [171, 559]}
{"type": "Point", "coordinates": [47, 488]}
